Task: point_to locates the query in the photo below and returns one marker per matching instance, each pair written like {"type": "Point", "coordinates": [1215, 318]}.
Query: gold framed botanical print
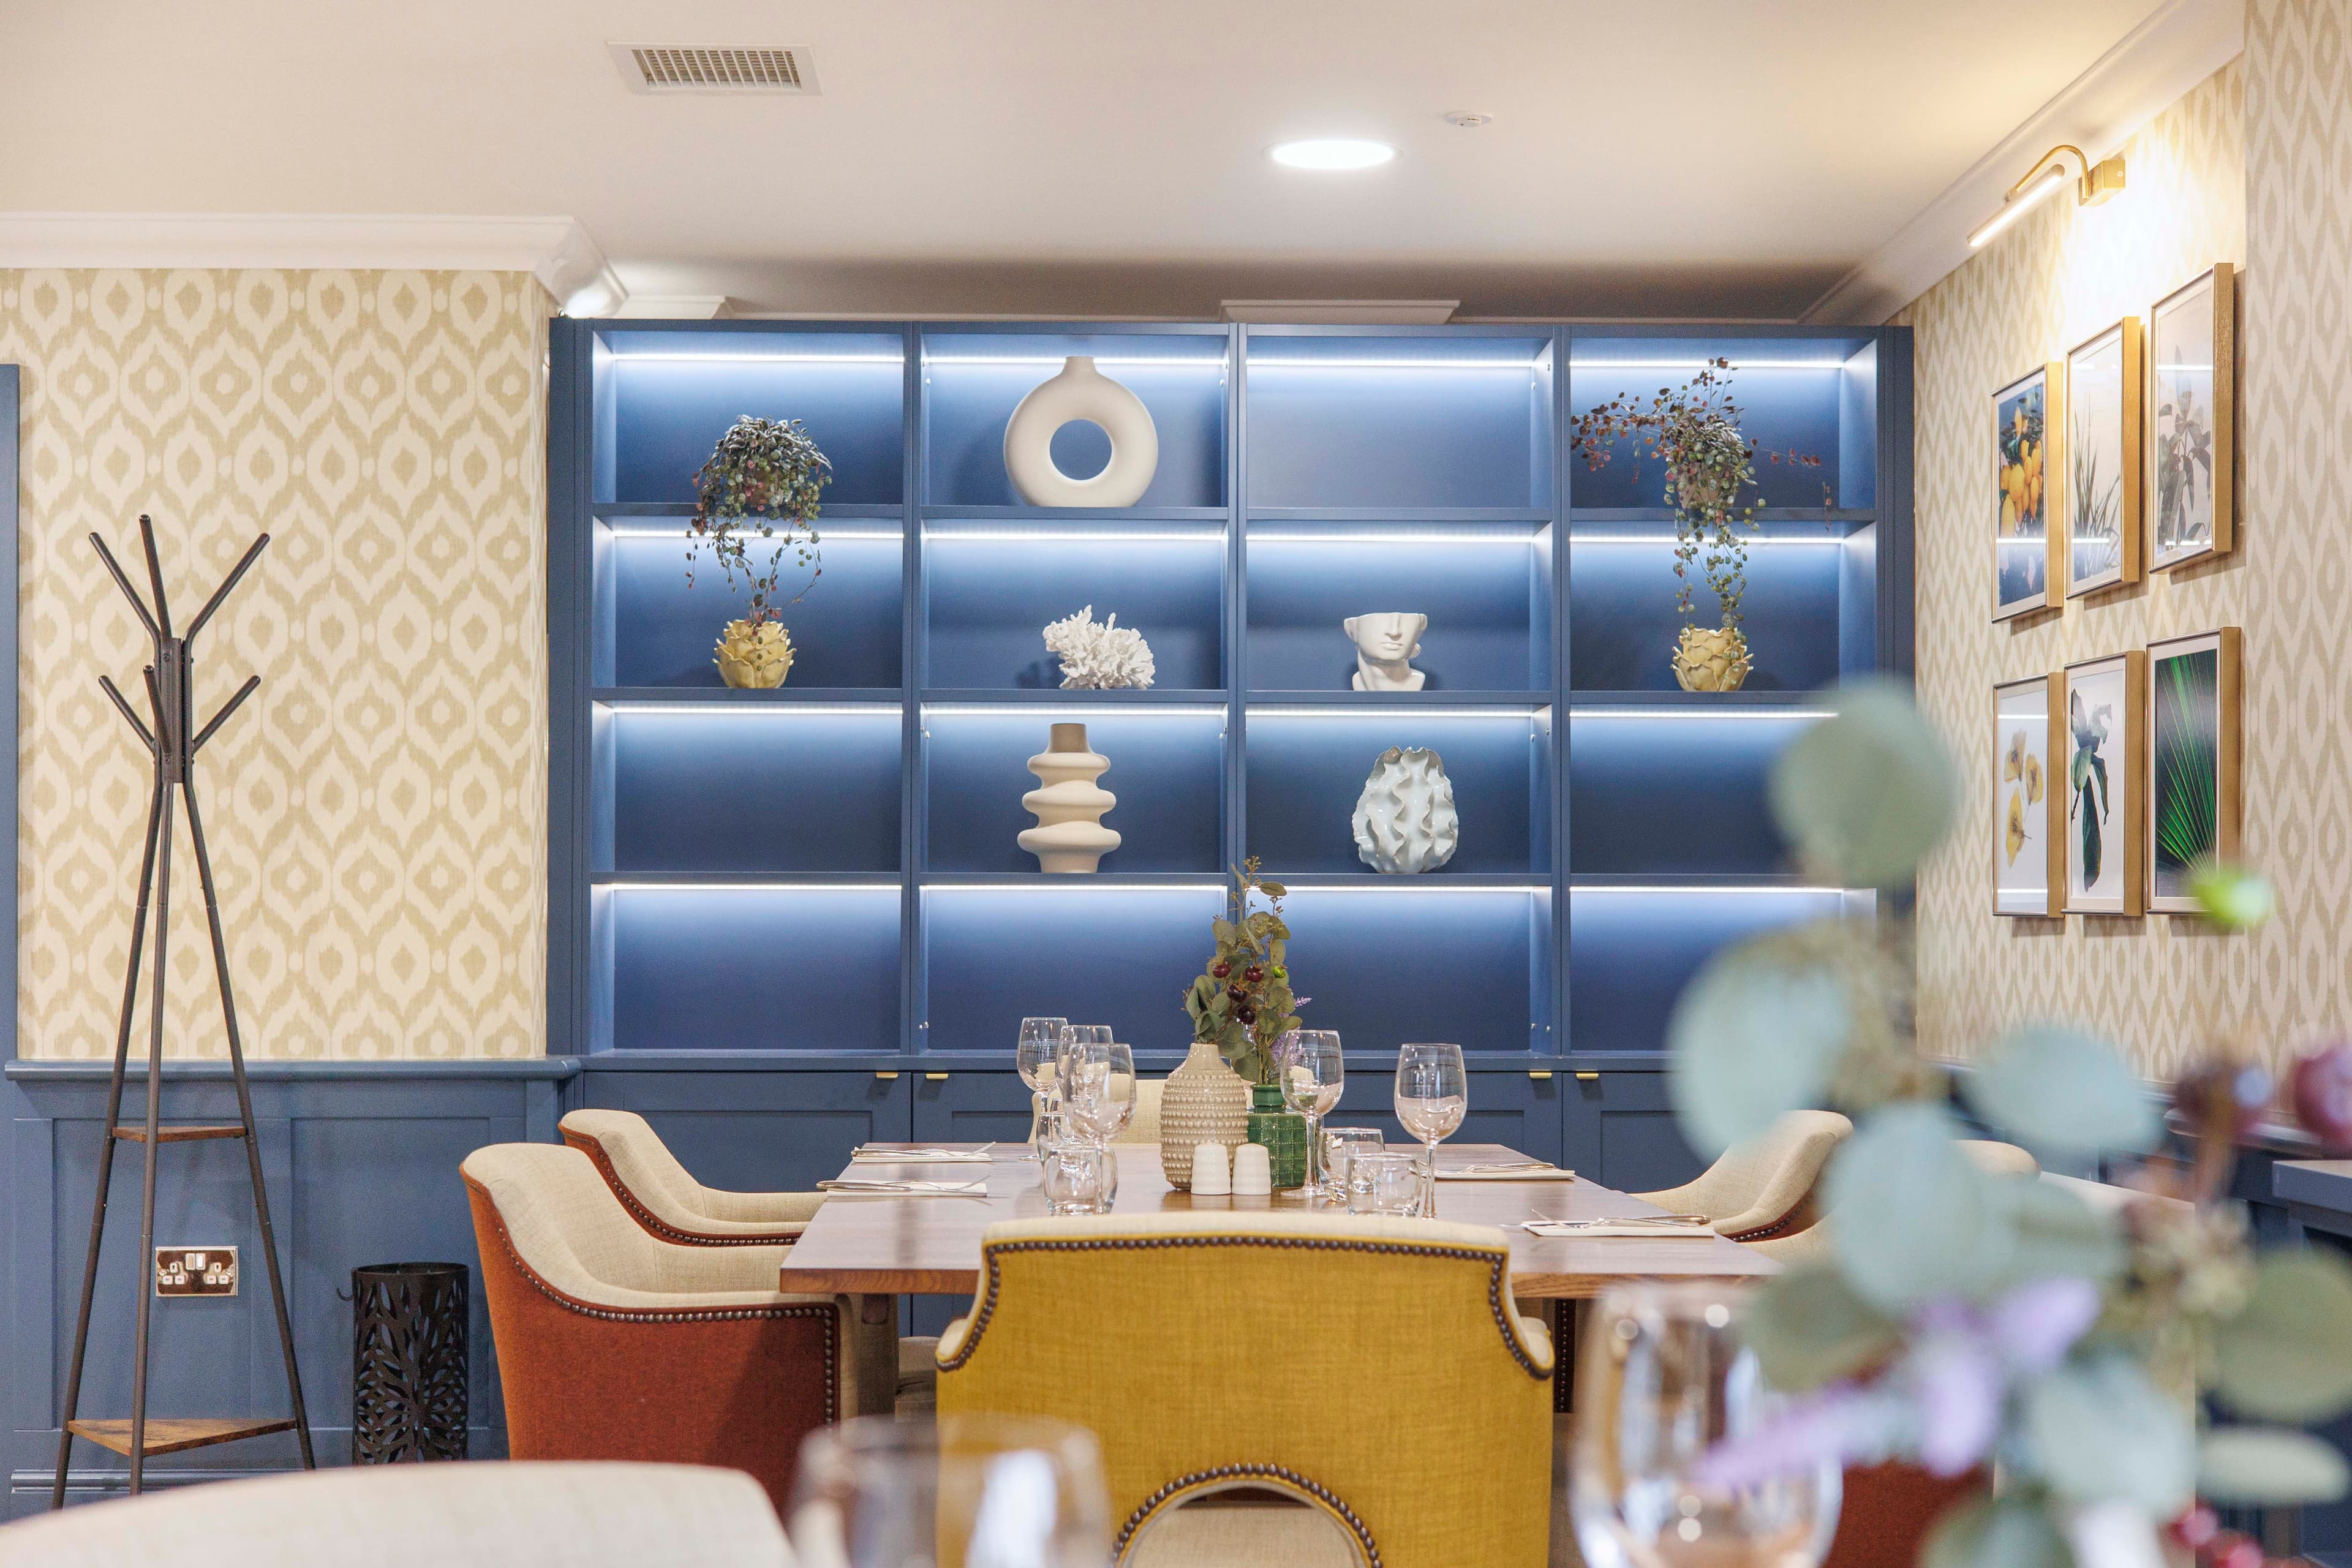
{"type": "Point", "coordinates": [2195, 693]}
{"type": "Point", "coordinates": [2105, 387]}
{"type": "Point", "coordinates": [2028, 433]}
{"type": "Point", "coordinates": [2104, 785]}
{"type": "Point", "coordinates": [2029, 855]}
{"type": "Point", "coordinates": [2192, 421]}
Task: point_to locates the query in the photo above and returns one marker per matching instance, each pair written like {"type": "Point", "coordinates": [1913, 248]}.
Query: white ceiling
{"type": "Point", "coordinates": [1728, 158]}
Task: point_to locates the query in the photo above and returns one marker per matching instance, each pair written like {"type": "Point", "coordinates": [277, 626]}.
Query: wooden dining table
{"type": "Point", "coordinates": [877, 1247]}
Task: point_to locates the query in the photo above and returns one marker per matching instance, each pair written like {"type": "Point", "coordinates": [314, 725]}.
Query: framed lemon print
{"type": "Point", "coordinates": [2028, 431]}
{"type": "Point", "coordinates": [2028, 859]}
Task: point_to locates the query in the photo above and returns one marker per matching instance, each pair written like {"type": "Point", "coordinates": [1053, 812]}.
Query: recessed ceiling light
{"type": "Point", "coordinates": [1332, 153]}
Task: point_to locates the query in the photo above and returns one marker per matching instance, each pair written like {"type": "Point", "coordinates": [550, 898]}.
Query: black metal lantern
{"type": "Point", "coordinates": [408, 1362]}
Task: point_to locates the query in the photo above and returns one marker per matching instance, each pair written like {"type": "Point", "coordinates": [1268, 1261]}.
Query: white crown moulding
{"type": "Point", "coordinates": [1343, 313]}
{"type": "Point", "coordinates": [2181, 43]}
{"type": "Point", "coordinates": [675, 307]}
{"type": "Point", "coordinates": [558, 251]}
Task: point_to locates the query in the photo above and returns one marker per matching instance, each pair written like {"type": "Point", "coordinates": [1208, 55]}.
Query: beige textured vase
{"type": "Point", "coordinates": [1205, 1102]}
{"type": "Point", "coordinates": [1711, 658]}
{"type": "Point", "coordinates": [1069, 805]}
{"type": "Point", "coordinates": [753, 658]}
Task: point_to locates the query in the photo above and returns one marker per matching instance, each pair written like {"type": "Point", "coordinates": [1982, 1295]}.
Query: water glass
{"type": "Point", "coordinates": [979, 1491]}
{"type": "Point", "coordinates": [1312, 1073]}
{"type": "Point", "coordinates": [1383, 1183]}
{"type": "Point", "coordinates": [1665, 1470]}
{"type": "Point", "coordinates": [1432, 1095]}
{"type": "Point", "coordinates": [1079, 1177]}
{"type": "Point", "coordinates": [1339, 1145]}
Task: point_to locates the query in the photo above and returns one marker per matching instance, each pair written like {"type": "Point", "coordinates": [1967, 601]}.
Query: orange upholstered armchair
{"type": "Point", "coordinates": [662, 1197]}
{"type": "Point", "coordinates": [614, 1345]}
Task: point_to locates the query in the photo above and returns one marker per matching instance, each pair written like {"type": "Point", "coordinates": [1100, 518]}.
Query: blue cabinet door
{"type": "Point", "coordinates": [971, 1108]}
{"type": "Point", "coordinates": [762, 1131]}
{"type": "Point", "coordinates": [1620, 1132]}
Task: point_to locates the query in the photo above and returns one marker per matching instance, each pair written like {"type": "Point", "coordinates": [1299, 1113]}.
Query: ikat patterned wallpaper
{"type": "Point", "coordinates": [376, 814]}
{"type": "Point", "coordinates": [2250, 167]}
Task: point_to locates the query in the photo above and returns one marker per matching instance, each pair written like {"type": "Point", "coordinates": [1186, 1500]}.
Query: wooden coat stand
{"type": "Point", "coordinates": [173, 747]}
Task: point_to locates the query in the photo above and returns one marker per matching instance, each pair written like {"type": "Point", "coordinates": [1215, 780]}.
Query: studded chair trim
{"type": "Point", "coordinates": [1225, 1477]}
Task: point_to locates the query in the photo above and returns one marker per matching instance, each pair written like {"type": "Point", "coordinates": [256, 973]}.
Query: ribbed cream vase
{"type": "Point", "coordinates": [1205, 1102]}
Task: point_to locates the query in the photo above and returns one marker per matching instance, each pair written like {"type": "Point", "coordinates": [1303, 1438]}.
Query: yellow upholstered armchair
{"type": "Point", "coordinates": [1373, 1369]}
{"type": "Point", "coordinates": [661, 1197]}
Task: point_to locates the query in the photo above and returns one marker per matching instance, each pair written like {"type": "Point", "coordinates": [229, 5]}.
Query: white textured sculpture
{"type": "Point", "coordinates": [1386, 644]}
{"type": "Point", "coordinates": [1404, 821]}
{"type": "Point", "coordinates": [1099, 658]}
{"type": "Point", "coordinates": [1069, 805]}
{"type": "Point", "coordinates": [1081, 392]}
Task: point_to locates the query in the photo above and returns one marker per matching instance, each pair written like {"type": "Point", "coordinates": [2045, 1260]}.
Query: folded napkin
{"type": "Point", "coordinates": [870, 1155]}
{"type": "Point", "coordinates": [1578, 1229]}
{"type": "Point", "coordinates": [859, 1186]}
{"type": "Point", "coordinates": [1502, 1172]}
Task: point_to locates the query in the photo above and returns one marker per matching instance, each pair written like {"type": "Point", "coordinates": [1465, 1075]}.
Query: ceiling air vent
{"type": "Point", "coordinates": [696, 67]}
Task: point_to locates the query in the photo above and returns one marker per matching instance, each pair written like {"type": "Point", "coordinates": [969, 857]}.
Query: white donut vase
{"type": "Point", "coordinates": [1081, 392]}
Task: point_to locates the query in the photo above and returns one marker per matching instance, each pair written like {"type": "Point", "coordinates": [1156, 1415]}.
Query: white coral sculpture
{"type": "Point", "coordinates": [1099, 658]}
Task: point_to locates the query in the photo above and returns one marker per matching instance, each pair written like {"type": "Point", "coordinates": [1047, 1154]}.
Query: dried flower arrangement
{"type": "Point", "coordinates": [1695, 431]}
{"type": "Point", "coordinates": [1099, 658]}
{"type": "Point", "coordinates": [1243, 1003]}
{"type": "Point", "coordinates": [762, 473]}
{"type": "Point", "coordinates": [1957, 1318]}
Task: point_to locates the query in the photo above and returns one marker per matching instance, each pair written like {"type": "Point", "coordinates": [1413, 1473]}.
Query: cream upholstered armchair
{"type": "Point", "coordinates": [1813, 1242]}
{"type": "Point", "coordinates": [615, 1345]}
{"type": "Point", "coordinates": [1763, 1187]}
{"type": "Point", "coordinates": [1373, 1369]}
{"type": "Point", "coordinates": [661, 1197]}
{"type": "Point", "coordinates": [453, 1516]}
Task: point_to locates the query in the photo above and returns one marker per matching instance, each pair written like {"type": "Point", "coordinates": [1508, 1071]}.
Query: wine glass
{"type": "Point", "coordinates": [1040, 1037]}
{"type": "Point", "coordinates": [1074, 1035]}
{"type": "Point", "coordinates": [1101, 1092]}
{"type": "Point", "coordinates": [1313, 1072]}
{"type": "Point", "coordinates": [1675, 1460]}
{"type": "Point", "coordinates": [984, 1491]}
{"type": "Point", "coordinates": [1432, 1094]}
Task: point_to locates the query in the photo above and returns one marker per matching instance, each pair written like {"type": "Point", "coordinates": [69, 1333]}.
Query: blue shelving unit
{"type": "Point", "coordinates": [828, 872]}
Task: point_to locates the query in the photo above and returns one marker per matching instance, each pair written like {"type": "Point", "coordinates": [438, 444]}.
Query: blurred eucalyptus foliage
{"type": "Point", "coordinates": [1965, 1319]}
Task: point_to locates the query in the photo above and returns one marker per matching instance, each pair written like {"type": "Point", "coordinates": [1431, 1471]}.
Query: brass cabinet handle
{"type": "Point", "coordinates": [936, 1077]}
{"type": "Point", "coordinates": [885, 1075]}
{"type": "Point", "coordinates": [1588, 1077]}
{"type": "Point", "coordinates": [1540, 1076]}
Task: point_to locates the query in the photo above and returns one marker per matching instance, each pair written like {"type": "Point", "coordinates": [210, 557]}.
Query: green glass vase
{"type": "Point", "coordinates": [1283, 1133]}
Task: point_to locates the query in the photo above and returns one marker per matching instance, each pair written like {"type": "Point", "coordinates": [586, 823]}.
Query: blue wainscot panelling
{"type": "Point", "coordinates": [1623, 625]}
{"type": "Point", "coordinates": [1167, 768]}
{"type": "Point", "coordinates": [1347, 420]}
{"type": "Point", "coordinates": [1094, 950]}
{"type": "Point", "coordinates": [1631, 949]}
{"type": "Point", "coordinates": [1676, 789]}
{"type": "Point", "coordinates": [361, 1164]}
{"type": "Point", "coordinates": [1409, 959]}
{"type": "Point", "coordinates": [740, 967]}
{"type": "Point", "coordinates": [1618, 1128]}
{"type": "Point", "coordinates": [654, 629]}
{"type": "Point", "coordinates": [991, 592]}
{"type": "Point", "coordinates": [1307, 768]}
{"type": "Point", "coordinates": [1813, 397]}
{"type": "Point", "coordinates": [1487, 597]}
{"type": "Point", "coordinates": [744, 1130]}
{"type": "Point", "coordinates": [669, 397]}
{"type": "Point", "coordinates": [972, 383]}
{"type": "Point", "coordinates": [752, 788]}
{"type": "Point", "coordinates": [1508, 1107]}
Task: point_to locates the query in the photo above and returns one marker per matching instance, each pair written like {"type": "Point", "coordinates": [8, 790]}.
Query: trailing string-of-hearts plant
{"type": "Point", "coordinates": [1695, 431]}
{"type": "Point", "coordinates": [1243, 1003]}
{"type": "Point", "coordinates": [764, 478]}
{"type": "Point", "coordinates": [1995, 1326]}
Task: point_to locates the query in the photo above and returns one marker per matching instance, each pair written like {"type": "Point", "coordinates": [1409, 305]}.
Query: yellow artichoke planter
{"type": "Point", "coordinates": [1711, 658]}
{"type": "Point", "coordinates": [754, 659]}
